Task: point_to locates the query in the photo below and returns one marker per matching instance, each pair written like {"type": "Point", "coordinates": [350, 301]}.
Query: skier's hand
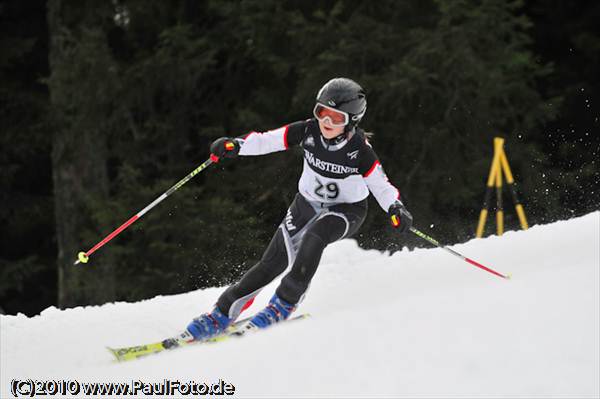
{"type": "Point", "coordinates": [224, 147]}
{"type": "Point", "coordinates": [400, 217]}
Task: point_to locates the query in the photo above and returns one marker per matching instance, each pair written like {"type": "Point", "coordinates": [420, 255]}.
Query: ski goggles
{"type": "Point", "coordinates": [336, 117]}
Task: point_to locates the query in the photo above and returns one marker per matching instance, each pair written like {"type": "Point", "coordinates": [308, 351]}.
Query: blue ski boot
{"type": "Point", "coordinates": [208, 325]}
{"type": "Point", "coordinates": [277, 310]}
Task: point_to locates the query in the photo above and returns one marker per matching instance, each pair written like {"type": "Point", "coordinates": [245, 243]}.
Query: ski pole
{"type": "Point", "coordinates": [471, 261]}
{"type": "Point", "coordinates": [83, 257]}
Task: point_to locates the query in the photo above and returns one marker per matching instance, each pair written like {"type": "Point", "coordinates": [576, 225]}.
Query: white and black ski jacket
{"type": "Point", "coordinates": [340, 173]}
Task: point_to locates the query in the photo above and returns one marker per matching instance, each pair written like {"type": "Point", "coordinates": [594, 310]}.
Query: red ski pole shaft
{"type": "Point", "coordinates": [471, 261]}
{"type": "Point", "coordinates": [83, 257]}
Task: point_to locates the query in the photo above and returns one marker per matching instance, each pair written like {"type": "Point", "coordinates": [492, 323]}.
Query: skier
{"type": "Point", "coordinates": [340, 168]}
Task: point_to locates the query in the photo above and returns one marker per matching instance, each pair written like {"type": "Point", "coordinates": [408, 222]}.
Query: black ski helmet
{"type": "Point", "coordinates": [347, 96]}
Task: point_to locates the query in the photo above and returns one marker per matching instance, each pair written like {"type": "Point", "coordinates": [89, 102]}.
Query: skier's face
{"type": "Point", "coordinates": [328, 131]}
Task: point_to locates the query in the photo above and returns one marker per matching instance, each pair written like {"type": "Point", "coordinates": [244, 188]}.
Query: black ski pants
{"type": "Point", "coordinates": [298, 243]}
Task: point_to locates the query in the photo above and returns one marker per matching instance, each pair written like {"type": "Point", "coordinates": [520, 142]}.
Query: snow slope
{"type": "Point", "coordinates": [416, 324]}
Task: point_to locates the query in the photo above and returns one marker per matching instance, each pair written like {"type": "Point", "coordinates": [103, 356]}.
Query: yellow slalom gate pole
{"type": "Point", "coordinates": [488, 194]}
{"type": "Point", "coordinates": [498, 149]}
{"type": "Point", "coordinates": [511, 183]}
{"type": "Point", "coordinates": [498, 168]}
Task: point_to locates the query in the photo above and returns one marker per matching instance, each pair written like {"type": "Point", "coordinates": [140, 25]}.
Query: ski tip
{"type": "Point", "coordinates": [509, 276]}
{"type": "Point", "coordinates": [114, 353]}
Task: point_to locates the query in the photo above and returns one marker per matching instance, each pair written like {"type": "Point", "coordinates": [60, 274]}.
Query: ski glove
{"type": "Point", "coordinates": [400, 217]}
{"type": "Point", "coordinates": [224, 147]}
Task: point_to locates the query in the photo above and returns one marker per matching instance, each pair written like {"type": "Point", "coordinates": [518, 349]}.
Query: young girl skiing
{"type": "Point", "coordinates": [340, 168]}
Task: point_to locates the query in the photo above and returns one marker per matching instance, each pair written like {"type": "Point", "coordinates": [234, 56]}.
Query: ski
{"type": "Point", "coordinates": [236, 330]}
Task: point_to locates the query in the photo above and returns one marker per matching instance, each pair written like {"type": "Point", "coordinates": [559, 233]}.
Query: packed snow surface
{"type": "Point", "coordinates": [418, 323]}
